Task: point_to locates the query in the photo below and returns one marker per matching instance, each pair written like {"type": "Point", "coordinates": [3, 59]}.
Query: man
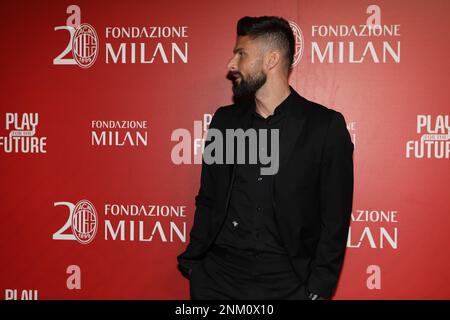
{"type": "Point", "coordinates": [279, 236]}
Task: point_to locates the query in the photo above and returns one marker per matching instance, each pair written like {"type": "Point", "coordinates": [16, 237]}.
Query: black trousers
{"type": "Point", "coordinates": [235, 275]}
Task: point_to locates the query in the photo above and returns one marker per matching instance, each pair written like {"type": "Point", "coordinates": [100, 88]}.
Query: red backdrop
{"type": "Point", "coordinates": [390, 86]}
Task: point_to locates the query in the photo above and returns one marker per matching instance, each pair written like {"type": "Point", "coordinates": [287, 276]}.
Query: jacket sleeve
{"type": "Point", "coordinates": [336, 196]}
{"type": "Point", "coordinates": [204, 205]}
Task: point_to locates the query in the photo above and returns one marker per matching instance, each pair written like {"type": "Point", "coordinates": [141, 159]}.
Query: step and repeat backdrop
{"type": "Point", "coordinates": [104, 107]}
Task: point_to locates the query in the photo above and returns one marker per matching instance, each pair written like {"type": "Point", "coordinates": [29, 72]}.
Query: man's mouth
{"type": "Point", "coordinates": [235, 76]}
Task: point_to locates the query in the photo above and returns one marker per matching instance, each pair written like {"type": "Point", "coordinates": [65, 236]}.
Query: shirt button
{"type": "Point", "coordinates": [258, 209]}
{"type": "Point", "coordinates": [260, 178]}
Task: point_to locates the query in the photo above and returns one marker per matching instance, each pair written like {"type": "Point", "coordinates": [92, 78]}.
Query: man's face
{"type": "Point", "coordinates": [245, 68]}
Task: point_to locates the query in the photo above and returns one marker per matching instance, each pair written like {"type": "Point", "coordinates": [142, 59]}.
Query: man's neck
{"type": "Point", "coordinates": [269, 97]}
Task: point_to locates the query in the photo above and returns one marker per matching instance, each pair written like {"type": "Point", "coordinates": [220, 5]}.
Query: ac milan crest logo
{"type": "Point", "coordinates": [85, 45]}
{"type": "Point", "coordinates": [84, 222]}
{"type": "Point", "coordinates": [298, 36]}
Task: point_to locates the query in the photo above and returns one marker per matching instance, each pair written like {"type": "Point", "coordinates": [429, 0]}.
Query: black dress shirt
{"type": "Point", "coordinates": [250, 223]}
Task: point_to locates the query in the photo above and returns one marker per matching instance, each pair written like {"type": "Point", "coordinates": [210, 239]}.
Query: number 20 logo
{"type": "Point", "coordinates": [82, 220]}
{"type": "Point", "coordinates": [83, 41]}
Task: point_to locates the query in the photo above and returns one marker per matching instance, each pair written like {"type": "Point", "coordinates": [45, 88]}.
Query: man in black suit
{"type": "Point", "coordinates": [283, 235]}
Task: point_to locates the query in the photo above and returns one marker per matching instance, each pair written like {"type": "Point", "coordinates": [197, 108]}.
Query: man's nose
{"type": "Point", "coordinates": [231, 65]}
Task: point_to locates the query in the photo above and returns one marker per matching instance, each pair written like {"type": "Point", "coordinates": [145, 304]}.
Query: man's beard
{"type": "Point", "coordinates": [248, 87]}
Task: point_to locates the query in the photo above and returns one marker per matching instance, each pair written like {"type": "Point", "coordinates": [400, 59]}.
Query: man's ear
{"type": "Point", "coordinates": [272, 59]}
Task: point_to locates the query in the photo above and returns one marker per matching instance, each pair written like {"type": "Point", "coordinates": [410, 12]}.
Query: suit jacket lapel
{"type": "Point", "coordinates": [293, 126]}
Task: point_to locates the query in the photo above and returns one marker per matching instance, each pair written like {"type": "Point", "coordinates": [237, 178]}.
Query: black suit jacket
{"type": "Point", "coordinates": [312, 192]}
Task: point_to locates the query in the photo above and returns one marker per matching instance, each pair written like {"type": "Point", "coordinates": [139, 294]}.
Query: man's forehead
{"type": "Point", "coordinates": [244, 43]}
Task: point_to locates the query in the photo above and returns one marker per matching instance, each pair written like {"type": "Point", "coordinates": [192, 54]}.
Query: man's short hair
{"type": "Point", "coordinates": [275, 29]}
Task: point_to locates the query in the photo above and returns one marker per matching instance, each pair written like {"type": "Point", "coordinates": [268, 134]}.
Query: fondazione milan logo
{"type": "Point", "coordinates": [299, 42]}
{"type": "Point", "coordinates": [85, 45]}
